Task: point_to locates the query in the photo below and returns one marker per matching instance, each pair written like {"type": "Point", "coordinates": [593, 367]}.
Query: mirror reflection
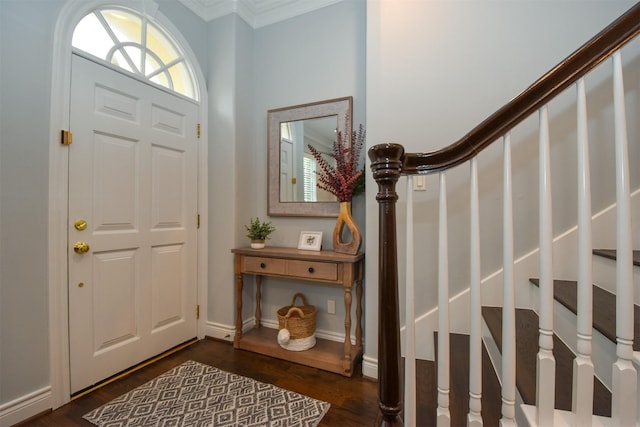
{"type": "Point", "coordinates": [291, 169]}
{"type": "Point", "coordinates": [298, 178]}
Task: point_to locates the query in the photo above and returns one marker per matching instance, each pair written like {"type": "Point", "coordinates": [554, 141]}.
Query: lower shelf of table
{"type": "Point", "coordinates": [326, 355]}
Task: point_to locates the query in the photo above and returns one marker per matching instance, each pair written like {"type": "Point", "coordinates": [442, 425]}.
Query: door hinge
{"type": "Point", "coordinates": [198, 221]}
{"type": "Point", "coordinates": [198, 130]}
{"type": "Point", "coordinates": [66, 137]}
{"type": "Point", "coordinates": [198, 312]}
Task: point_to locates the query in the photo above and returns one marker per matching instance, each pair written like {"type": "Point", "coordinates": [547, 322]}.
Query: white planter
{"type": "Point", "coordinates": [257, 244]}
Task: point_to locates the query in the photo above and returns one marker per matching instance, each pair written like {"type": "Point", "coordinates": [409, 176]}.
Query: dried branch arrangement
{"type": "Point", "coordinates": [342, 178]}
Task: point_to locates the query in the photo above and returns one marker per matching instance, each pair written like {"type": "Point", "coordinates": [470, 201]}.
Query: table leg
{"type": "Point", "coordinates": [359, 314]}
{"type": "Point", "coordinates": [238, 335]}
{"type": "Point", "coordinates": [258, 300]}
{"type": "Point", "coordinates": [347, 326]}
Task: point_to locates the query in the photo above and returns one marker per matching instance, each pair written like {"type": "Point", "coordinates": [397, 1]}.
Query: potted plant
{"type": "Point", "coordinates": [258, 231]}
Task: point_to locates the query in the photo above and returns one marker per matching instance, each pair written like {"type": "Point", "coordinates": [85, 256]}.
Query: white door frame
{"type": "Point", "coordinates": [70, 15]}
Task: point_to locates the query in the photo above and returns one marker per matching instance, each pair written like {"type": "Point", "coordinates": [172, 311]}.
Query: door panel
{"type": "Point", "coordinates": [286, 171]}
{"type": "Point", "coordinates": [114, 291]}
{"type": "Point", "coordinates": [169, 174]}
{"type": "Point", "coordinates": [115, 161]}
{"type": "Point", "coordinates": [133, 179]}
{"type": "Point", "coordinates": [167, 265]}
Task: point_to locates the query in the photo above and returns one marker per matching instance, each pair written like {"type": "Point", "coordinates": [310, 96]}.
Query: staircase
{"type": "Point", "coordinates": [527, 334]}
{"type": "Point", "coordinates": [556, 351]}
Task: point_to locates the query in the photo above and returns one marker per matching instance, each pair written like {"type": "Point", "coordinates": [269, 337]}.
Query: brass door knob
{"type": "Point", "coordinates": [81, 248]}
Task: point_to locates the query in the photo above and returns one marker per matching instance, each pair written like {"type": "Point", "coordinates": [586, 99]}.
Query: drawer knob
{"type": "Point", "coordinates": [263, 265]}
{"type": "Point", "coordinates": [311, 270]}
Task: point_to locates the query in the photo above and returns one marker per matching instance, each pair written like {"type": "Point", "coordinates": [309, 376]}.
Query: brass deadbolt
{"type": "Point", "coordinates": [80, 224]}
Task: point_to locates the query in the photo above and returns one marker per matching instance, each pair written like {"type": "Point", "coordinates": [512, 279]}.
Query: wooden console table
{"type": "Point", "coordinates": [327, 267]}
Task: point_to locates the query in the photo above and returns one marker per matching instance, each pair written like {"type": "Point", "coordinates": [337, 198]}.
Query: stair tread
{"type": "Point", "coordinates": [611, 254]}
{"type": "Point", "coordinates": [459, 382]}
{"type": "Point", "coordinates": [604, 308]}
{"type": "Point", "coordinates": [526, 357]}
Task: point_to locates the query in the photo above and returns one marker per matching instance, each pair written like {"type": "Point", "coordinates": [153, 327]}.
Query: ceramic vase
{"type": "Point", "coordinates": [345, 220]}
{"type": "Point", "coordinates": [257, 244]}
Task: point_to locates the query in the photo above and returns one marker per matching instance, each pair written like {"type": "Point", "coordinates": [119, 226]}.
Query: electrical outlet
{"type": "Point", "coordinates": [331, 306]}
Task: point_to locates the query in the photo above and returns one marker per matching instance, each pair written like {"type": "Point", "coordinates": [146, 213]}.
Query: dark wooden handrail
{"type": "Point", "coordinates": [560, 77]}
{"type": "Point", "coordinates": [388, 162]}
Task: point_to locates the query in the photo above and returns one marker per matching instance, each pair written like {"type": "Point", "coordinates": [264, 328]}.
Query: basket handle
{"type": "Point", "coordinates": [304, 300]}
{"type": "Point", "coordinates": [291, 310]}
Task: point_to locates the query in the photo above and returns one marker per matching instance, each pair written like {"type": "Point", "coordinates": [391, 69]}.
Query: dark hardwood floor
{"type": "Point", "coordinates": [353, 400]}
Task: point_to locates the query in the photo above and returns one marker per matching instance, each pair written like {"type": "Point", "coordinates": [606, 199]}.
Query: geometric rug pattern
{"type": "Point", "coordinates": [198, 395]}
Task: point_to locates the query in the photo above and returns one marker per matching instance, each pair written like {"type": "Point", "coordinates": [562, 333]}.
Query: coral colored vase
{"type": "Point", "coordinates": [345, 220]}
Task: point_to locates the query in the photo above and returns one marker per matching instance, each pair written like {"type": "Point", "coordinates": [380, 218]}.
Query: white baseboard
{"type": "Point", "coordinates": [369, 367]}
{"type": "Point", "coordinates": [25, 407]}
{"type": "Point", "coordinates": [227, 332]}
{"type": "Point", "coordinates": [324, 334]}
{"type": "Point", "coordinates": [220, 331]}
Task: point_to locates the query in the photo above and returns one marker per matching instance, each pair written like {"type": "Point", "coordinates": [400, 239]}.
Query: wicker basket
{"type": "Point", "coordinates": [297, 325]}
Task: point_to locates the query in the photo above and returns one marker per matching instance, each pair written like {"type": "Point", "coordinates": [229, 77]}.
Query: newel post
{"type": "Point", "coordinates": [386, 165]}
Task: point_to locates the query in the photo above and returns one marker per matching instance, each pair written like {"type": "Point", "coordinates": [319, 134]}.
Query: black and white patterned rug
{"type": "Point", "coordinates": [198, 395]}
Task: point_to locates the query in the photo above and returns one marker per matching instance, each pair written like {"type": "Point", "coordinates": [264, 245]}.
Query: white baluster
{"type": "Point", "coordinates": [410, 334]}
{"type": "Point", "coordinates": [545, 361]}
{"type": "Point", "coordinates": [508, 295]}
{"type": "Point", "coordinates": [582, 364]}
{"type": "Point", "coordinates": [624, 385]}
{"type": "Point", "coordinates": [474, 418]}
{"type": "Point", "coordinates": [442, 413]}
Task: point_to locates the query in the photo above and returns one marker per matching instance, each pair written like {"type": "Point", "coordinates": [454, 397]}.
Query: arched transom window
{"type": "Point", "coordinates": [132, 42]}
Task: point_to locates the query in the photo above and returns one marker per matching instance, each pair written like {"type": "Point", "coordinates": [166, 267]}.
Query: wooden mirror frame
{"type": "Point", "coordinates": [340, 107]}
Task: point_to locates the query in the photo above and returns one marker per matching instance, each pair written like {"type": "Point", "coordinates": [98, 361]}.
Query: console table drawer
{"type": "Point", "coordinates": [265, 265]}
{"type": "Point", "coordinates": [313, 270]}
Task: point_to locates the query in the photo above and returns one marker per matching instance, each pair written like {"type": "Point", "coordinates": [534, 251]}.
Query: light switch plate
{"type": "Point", "coordinates": [419, 183]}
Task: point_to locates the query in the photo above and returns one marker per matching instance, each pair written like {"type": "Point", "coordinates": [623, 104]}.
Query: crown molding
{"type": "Point", "coordinates": [257, 13]}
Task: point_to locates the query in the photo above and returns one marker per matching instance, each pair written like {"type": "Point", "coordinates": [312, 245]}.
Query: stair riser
{"type": "Point", "coordinates": [603, 351]}
{"type": "Point", "coordinates": [604, 275]}
{"type": "Point", "coordinates": [496, 360]}
{"type": "Point", "coordinates": [565, 266]}
{"type": "Point", "coordinates": [560, 419]}
{"type": "Point", "coordinates": [459, 304]}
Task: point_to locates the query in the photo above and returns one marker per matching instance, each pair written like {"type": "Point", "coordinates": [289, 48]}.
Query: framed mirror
{"type": "Point", "coordinates": [291, 168]}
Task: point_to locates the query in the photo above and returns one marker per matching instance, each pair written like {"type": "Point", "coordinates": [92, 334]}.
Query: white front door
{"type": "Point", "coordinates": [287, 178]}
{"type": "Point", "coordinates": [133, 202]}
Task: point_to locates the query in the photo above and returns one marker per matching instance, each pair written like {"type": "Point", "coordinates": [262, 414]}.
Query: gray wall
{"type": "Point", "coordinates": [312, 57]}
{"type": "Point", "coordinates": [26, 43]}
{"type": "Point", "coordinates": [324, 60]}
{"type": "Point", "coordinates": [316, 56]}
{"type": "Point", "coordinates": [26, 30]}
{"type": "Point", "coordinates": [435, 70]}
{"type": "Point", "coordinates": [223, 129]}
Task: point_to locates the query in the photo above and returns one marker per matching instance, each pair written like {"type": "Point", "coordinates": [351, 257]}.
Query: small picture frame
{"type": "Point", "coordinates": [310, 240]}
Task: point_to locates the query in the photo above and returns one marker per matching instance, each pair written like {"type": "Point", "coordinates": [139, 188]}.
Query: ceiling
{"type": "Point", "coordinates": [256, 13]}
